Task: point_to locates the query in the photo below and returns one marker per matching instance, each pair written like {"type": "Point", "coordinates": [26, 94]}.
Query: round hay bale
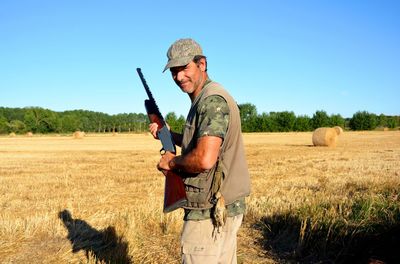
{"type": "Point", "coordinates": [12, 134]}
{"type": "Point", "coordinates": [324, 136]}
{"type": "Point", "coordinates": [29, 134]}
{"type": "Point", "coordinates": [339, 130]}
{"type": "Point", "coordinates": [78, 134]}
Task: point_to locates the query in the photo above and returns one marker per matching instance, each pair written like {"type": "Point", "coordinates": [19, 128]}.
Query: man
{"type": "Point", "coordinates": [212, 161]}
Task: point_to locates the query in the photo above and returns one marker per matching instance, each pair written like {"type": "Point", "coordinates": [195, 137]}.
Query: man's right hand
{"type": "Point", "coordinates": [153, 127]}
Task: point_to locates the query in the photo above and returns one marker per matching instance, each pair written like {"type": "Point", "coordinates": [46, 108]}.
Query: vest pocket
{"type": "Point", "coordinates": [198, 190]}
{"type": "Point", "coordinates": [196, 184]}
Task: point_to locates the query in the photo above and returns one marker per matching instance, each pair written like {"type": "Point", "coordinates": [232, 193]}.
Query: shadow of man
{"type": "Point", "coordinates": [104, 245]}
{"type": "Point", "coordinates": [290, 240]}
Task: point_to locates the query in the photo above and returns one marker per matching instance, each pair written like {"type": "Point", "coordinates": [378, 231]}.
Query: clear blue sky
{"type": "Point", "coordinates": [302, 56]}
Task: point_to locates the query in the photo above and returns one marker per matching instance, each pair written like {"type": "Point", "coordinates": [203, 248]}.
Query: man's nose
{"type": "Point", "coordinates": [179, 76]}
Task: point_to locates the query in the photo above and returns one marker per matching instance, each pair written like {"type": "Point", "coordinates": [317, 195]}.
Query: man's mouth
{"type": "Point", "coordinates": [182, 84]}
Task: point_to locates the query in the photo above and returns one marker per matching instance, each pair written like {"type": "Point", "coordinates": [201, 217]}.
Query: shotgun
{"type": "Point", "coordinates": [174, 192]}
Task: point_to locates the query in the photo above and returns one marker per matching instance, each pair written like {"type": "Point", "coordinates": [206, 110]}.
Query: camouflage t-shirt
{"type": "Point", "coordinates": [213, 121]}
{"type": "Point", "coordinates": [213, 117]}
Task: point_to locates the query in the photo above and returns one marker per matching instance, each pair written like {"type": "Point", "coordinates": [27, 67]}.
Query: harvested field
{"type": "Point", "coordinates": [100, 198]}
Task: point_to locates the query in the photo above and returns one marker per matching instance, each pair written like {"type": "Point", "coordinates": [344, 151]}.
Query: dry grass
{"type": "Point", "coordinates": [75, 201]}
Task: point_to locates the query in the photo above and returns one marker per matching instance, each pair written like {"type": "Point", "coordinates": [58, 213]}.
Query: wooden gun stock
{"type": "Point", "coordinates": [174, 192]}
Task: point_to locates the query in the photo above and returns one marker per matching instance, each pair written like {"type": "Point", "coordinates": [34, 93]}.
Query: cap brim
{"type": "Point", "coordinates": [178, 62]}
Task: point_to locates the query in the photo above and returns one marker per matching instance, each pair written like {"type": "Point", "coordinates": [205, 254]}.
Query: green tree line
{"type": "Point", "coordinates": [287, 121]}
{"type": "Point", "coordinates": [40, 120]}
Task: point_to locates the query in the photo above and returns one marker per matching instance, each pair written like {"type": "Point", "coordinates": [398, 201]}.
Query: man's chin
{"type": "Point", "coordinates": [185, 88]}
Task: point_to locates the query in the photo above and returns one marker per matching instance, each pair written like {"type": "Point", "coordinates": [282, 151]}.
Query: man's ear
{"type": "Point", "coordinates": [202, 63]}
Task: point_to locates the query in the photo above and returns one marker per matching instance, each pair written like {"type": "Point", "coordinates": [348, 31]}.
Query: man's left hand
{"type": "Point", "coordinates": [163, 165]}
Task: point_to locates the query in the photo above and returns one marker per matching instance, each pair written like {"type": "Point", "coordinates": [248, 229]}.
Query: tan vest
{"type": "Point", "coordinates": [236, 180]}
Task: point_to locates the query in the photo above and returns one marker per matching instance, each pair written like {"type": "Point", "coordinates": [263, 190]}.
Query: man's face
{"type": "Point", "coordinates": [189, 77]}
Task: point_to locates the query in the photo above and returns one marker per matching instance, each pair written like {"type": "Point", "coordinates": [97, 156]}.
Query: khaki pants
{"type": "Point", "coordinates": [202, 244]}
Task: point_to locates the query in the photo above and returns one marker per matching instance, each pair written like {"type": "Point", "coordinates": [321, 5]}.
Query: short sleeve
{"type": "Point", "coordinates": [213, 117]}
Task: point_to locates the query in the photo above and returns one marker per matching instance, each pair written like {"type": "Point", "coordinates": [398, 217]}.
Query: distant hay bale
{"type": "Point", "coordinates": [339, 130]}
{"type": "Point", "coordinates": [29, 134]}
{"type": "Point", "coordinates": [382, 128]}
{"type": "Point", "coordinates": [78, 134]}
{"type": "Point", "coordinates": [324, 136]}
{"type": "Point", "coordinates": [12, 134]}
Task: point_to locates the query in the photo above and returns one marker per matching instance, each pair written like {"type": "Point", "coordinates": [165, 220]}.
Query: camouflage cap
{"type": "Point", "coordinates": [182, 52]}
